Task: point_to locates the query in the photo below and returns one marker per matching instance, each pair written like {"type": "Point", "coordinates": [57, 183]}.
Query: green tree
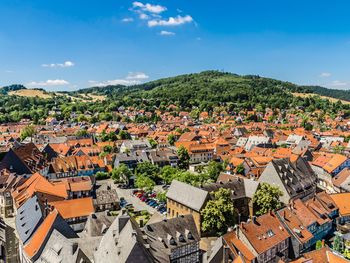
{"type": "Point", "coordinates": [107, 148]}
{"type": "Point", "coordinates": [267, 198]}
{"type": "Point", "coordinates": [184, 158]}
{"type": "Point", "coordinates": [346, 253]}
{"type": "Point", "coordinates": [318, 244]}
{"type": "Point", "coordinates": [337, 244]}
{"type": "Point", "coordinates": [147, 169]}
{"type": "Point", "coordinates": [101, 176]}
{"type": "Point", "coordinates": [240, 169]}
{"type": "Point", "coordinates": [144, 182]}
{"type": "Point", "coordinates": [168, 173]}
{"type": "Point", "coordinates": [219, 213]}
{"type": "Point", "coordinates": [153, 143]}
{"type": "Point", "coordinates": [214, 169]}
{"type": "Point", "coordinates": [82, 132]}
{"type": "Point", "coordinates": [161, 196]}
{"type": "Point", "coordinates": [123, 135]}
{"type": "Point", "coordinates": [121, 173]}
{"type": "Point", "coordinates": [28, 131]}
{"type": "Point", "coordinates": [171, 139]}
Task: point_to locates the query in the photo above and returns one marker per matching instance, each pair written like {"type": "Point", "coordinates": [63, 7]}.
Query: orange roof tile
{"type": "Point", "coordinates": [37, 240]}
{"type": "Point", "coordinates": [342, 201]}
{"type": "Point", "coordinates": [74, 207]}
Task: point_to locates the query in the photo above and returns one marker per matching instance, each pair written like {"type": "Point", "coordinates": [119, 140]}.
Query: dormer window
{"type": "Point", "coordinates": [270, 233]}
{"type": "Point", "coordinates": [181, 238]}
{"type": "Point", "coordinates": [172, 241]}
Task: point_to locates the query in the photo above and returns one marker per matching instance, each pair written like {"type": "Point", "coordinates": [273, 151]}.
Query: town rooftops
{"type": "Point", "coordinates": [187, 195]}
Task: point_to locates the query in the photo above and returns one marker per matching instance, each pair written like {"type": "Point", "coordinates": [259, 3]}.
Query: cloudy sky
{"type": "Point", "coordinates": [71, 44]}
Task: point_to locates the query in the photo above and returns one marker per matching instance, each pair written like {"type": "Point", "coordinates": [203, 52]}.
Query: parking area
{"type": "Point", "coordinates": [135, 201]}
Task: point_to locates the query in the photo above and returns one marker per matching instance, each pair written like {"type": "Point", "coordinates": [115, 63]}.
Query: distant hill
{"type": "Point", "coordinates": [214, 88]}
{"type": "Point", "coordinates": [333, 93]}
{"type": "Point", "coordinates": [14, 87]}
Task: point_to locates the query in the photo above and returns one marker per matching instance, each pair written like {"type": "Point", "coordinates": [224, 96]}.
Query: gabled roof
{"type": "Point", "coordinates": [166, 235]}
{"type": "Point", "coordinates": [187, 195]}
{"type": "Point", "coordinates": [264, 232]}
{"type": "Point", "coordinates": [37, 184]}
{"type": "Point", "coordinates": [74, 207]}
{"type": "Point", "coordinates": [342, 202]}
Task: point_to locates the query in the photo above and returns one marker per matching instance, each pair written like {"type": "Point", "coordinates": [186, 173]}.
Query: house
{"type": "Point", "coordinates": [131, 146]}
{"type": "Point", "coordinates": [31, 250]}
{"type": "Point", "coordinates": [106, 199]}
{"type": "Point", "coordinates": [76, 166]}
{"type": "Point", "coordinates": [58, 248]}
{"type": "Point", "coordinates": [322, 255]}
{"type": "Point", "coordinates": [295, 179]}
{"type": "Point", "coordinates": [163, 157]}
{"type": "Point", "coordinates": [34, 224]}
{"type": "Point", "coordinates": [183, 199]}
{"type": "Point", "coordinates": [342, 202]}
{"type": "Point", "coordinates": [174, 240]}
{"type": "Point", "coordinates": [123, 242]}
{"type": "Point", "coordinates": [242, 193]}
{"type": "Point", "coordinates": [8, 243]}
{"type": "Point", "coordinates": [263, 239]}
{"type": "Point", "coordinates": [38, 185]}
{"type": "Point", "coordinates": [25, 159]}
{"type": "Point", "coordinates": [7, 183]}
{"type": "Point", "coordinates": [326, 166]}
{"type": "Point", "coordinates": [76, 187]}
{"type": "Point", "coordinates": [300, 235]}
{"type": "Point", "coordinates": [255, 141]}
{"type": "Point", "coordinates": [341, 182]}
{"type": "Point", "coordinates": [75, 211]}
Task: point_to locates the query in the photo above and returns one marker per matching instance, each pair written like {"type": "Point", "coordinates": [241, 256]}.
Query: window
{"type": "Point", "coordinates": [270, 233]}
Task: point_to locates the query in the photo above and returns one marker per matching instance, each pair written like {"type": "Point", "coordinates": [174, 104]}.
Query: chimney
{"type": "Point", "coordinates": [254, 220]}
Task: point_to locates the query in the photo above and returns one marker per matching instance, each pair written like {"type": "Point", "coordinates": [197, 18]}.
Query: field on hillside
{"type": "Point", "coordinates": [305, 95]}
{"type": "Point", "coordinates": [31, 93]}
{"type": "Point", "coordinates": [47, 95]}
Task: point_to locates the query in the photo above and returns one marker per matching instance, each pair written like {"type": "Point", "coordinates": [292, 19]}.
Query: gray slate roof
{"type": "Point", "coordinates": [122, 242]}
{"type": "Point", "coordinates": [29, 217]}
{"type": "Point", "coordinates": [59, 249]}
{"type": "Point", "coordinates": [187, 195]}
{"type": "Point", "coordinates": [168, 234]}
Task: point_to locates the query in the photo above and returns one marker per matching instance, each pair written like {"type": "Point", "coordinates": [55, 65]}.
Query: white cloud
{"type": "Point", "coordinates": [143, 16]}
{"type": "Point", "coordinates": [127, 20]}
{"type": "Point", "coordinates": [133, 78]}
{"type": "Point", "coordinates": [137, 75]}
{"type": "Point", "coordinates": [166, 33]}
{"type": "Point", "coordinates": [9, 71]}
{"type": "Point", "coordinates": [325, 75]}
{"type": "Point", "coordinates": [66, 64]}
{"type": "Point", "coordinates": [338, 83]}
{"type": "Point", "coordinates": [172, 21]}
{"type": "Point", "coordinates": [113, 82]}
{"type": "Point", "coordinates": [157, 9]}
{"type": "Point", "coordinates": [50, 82]}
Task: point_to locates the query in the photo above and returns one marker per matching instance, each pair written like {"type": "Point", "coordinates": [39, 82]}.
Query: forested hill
{"type": "Point", "coordinates": [213, 88]}
{"type": "Point", "coordinates": [205, 91]}
{"type": "Point", "coordinates": [333, 93]}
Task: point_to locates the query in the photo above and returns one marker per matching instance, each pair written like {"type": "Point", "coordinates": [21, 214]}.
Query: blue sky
{"type": "Point", "coordinates": [66, 45]}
